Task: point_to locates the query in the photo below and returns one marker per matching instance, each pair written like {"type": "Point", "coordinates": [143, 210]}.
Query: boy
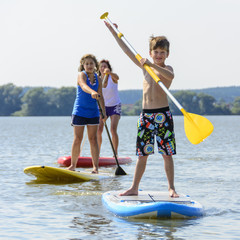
{"type": "Point", "coordinates": [156, 118]}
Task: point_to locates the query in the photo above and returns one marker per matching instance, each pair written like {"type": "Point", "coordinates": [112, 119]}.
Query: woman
{"type": "Point", "coordinates": [85, 110]}
{"type": "Point", "coordinates": [112, 101]}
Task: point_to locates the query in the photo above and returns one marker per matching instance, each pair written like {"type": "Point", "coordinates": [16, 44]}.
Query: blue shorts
{"type": "Point", "coordinates": [114, 110]}
{"type": "Point", "coordinates": [82, 121]}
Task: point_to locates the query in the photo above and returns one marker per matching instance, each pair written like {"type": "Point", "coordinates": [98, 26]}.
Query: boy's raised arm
{"type": "Point", "coordinates": [123, 45]}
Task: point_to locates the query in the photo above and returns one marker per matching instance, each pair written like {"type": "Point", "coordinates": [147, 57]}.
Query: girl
{"type": "Point", "coordinates": [85, 110]}
{"type": "Point", "coordinates": [112, 101]}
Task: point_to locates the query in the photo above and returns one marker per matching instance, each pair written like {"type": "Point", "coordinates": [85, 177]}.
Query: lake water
{"type": "Point", "coordinates": [208, 172]}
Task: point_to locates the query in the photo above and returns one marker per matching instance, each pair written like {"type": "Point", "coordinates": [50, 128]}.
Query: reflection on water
{"type": "Point", "coordinates": [119, 228]}
{"type": "Point", "coordinates": [93, 225]}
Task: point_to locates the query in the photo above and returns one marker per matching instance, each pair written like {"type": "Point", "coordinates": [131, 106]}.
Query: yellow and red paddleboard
{"type": "Point", "coordinates": [60, 175]}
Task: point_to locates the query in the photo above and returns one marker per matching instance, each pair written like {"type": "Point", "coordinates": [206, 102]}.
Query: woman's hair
{"type": "Point", "coordinates": [83, 59]}
{"type": "Point", "coordinates": [108, 64]}
{"type": "Point", "coordinates": [160, 42]}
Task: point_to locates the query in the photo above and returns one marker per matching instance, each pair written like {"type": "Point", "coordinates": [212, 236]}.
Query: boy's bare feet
{"type": "Point", "coordinates": [129, 192]}
{"type": "Point", "coordinates": [172, 193]}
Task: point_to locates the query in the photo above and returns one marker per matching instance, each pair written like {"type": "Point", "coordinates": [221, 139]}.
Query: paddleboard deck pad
{"type": "Point", "coordinates": [53, 174]}
{"type": "Point", "coordinates": [151, 204]}
{"type": "Point", "coordinates": [87, 161]}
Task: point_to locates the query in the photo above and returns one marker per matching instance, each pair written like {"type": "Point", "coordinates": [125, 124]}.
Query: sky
{"type": "Point", "coordinates": [42, 41]}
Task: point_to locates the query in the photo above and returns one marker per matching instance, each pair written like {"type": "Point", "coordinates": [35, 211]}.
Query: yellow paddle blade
{"type": "Point", "coordinates": [104, 15]}
{"type": "Point", "coordinates": [197, 127]}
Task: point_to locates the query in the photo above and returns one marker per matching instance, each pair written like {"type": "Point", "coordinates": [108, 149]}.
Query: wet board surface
{"type": "Point", "coordinates": [152, 204]}
{"type": "Point", "coordinates": [87, 161]}
{"type": "Point", "coordinates": [150, 196]}
{"type": "Point", "coordinates": [53, 174]}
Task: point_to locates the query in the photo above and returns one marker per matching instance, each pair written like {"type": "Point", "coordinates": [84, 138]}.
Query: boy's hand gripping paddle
{"type": "Point", "coordinates": [197, 128]}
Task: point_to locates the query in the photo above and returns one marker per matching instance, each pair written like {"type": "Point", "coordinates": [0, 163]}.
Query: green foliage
{"type": "Point", "coordinates": [236, 106]}
{"type": "Point", "coordinates": [54, 102]}
{"type": "Point", "coordinates": [228, 94]}
{"type": "Point", "coordinates": [9, 99]}
{"type": "Point", "coordinates": [130, 96]}
{"type": "Point", "coordinates": [189, 100]}
{"type": "Point", "coordinates": [201, 103]}
{"type": "Point", "coordinates": [63, 99]}
{"type": "Point", "coordinates": [39, 101]}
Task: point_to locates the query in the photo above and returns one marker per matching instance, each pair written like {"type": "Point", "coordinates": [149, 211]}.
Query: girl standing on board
{"type": "Point", "coordinates": [112, 102]}
{"type": "Point", "coordinates": [85, 110]}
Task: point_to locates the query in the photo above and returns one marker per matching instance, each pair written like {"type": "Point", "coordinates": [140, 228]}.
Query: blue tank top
{"type": "Point", "coordinates": [85, 105]}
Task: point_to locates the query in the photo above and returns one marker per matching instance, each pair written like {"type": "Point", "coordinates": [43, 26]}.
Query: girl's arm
{"type": "Point", "coordinates": [123, 46]}
{"type": "Point", "coordinates": [82, 81]}
{"type": "Point", "coordinates": [114, 76]}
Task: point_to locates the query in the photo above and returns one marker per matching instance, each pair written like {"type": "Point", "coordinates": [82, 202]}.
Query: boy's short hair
{"type": "Point", "coordinates": [160, 41]}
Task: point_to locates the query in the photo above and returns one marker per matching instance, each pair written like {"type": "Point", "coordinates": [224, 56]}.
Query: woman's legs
{"type": "Point", "coordinates": [99, 133]}
{"type": "Point", "coordinates": [92, 137]}
{"type": "Point", "coordinates": [77, 140]}
{"type": "Point", "coordinates": [114, 125]}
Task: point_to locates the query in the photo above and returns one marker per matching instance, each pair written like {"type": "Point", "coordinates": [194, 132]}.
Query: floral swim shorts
{"type": "Point", "coordinates": [159, 123]}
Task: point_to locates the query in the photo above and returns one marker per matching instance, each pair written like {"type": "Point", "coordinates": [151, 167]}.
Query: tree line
{"type": "Point", "coordinates": [40, 101]}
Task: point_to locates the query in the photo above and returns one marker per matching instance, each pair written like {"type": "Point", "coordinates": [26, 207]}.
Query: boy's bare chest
{"type": "Point", "coordinates": [153, 95]}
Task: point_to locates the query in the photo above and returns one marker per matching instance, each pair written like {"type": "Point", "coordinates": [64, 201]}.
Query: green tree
{"type": "Point", "coordinates": [222, 108]}
{"type": "Point", "coordinates": [10, 99]}
{"type": "Point", "coordinates": [63, 98]}
{"type": "Point", "coordinates": [132, 109]}
{"type": "Point", "coordinates": [236, 106]}
{"type": "Point", "coordinates": [188, 99]}
{"type": "Point", "coordinates": [36, 103]}
{"type": "Point", "coordinates": [206, 104]}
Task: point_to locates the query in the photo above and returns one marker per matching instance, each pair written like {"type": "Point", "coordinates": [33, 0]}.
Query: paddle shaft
{"type": "Point", "coordinates": [147, 67]}
{"type": "Point", "coordinates": [197, 128]}
{"type": "Point", "coordinates": [109, 137]}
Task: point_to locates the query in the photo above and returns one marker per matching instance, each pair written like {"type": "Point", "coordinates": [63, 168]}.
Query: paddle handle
{"type": "Point", "coordinates": [146, 66]}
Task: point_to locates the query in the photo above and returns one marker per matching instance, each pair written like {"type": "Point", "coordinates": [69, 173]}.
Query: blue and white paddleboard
{"type": "Point", "coordinates": [152, 204]}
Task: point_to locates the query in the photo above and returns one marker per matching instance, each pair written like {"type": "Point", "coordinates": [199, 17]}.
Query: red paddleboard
{"type": "Point", "coordinates": [87, 161]}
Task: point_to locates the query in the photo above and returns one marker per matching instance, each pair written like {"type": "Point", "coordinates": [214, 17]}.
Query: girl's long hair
{"type": "Point", "coordinates": [108, 64]}
{"type": "Point", "coordinates": [83, 59]}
